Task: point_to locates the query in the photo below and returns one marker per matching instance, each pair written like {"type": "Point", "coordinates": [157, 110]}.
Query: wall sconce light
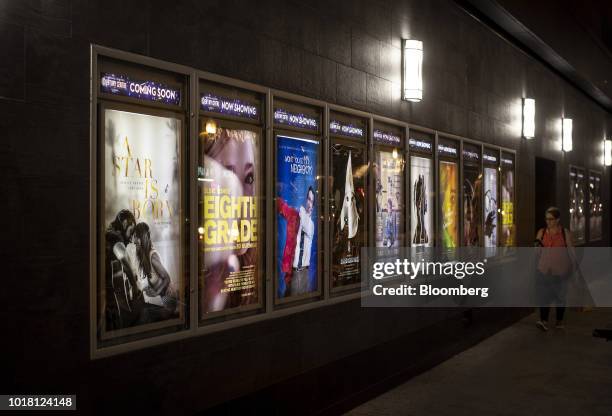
{"type": "Point", "coordinates": [566, 134]}
{"type": "Point", "coordinates": [528, 118]}
{"type": "Point", "coordinates": [211, 127]}
{"type": "Point", "coordinates": [608, 152]}
{"type": "Point", "coordinates": [412, 62]}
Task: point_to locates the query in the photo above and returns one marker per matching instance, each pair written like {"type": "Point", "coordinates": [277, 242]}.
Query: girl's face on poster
{"type": "Point", "coordinates": [238, 156]}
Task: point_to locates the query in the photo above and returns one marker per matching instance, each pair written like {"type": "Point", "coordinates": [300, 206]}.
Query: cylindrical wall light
{"type": "Point", "coordinates": [608, 152]}
{"type": "Point", "coordinates": [566, 134]}
{"type": "Point", "coordinates": [412, 62]}
{"type": "Point", "coordinates": [528, 118]}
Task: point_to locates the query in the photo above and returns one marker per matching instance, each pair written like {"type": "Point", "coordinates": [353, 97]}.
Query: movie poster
{"type": "Point", "coordinates": [389, 197]}
{"type": "Point", "coordinates": [472, 205]}
{"type": "Point", "coordinates": [595, 207]}
{"type": "Point", "coordinates": [577, 206]}
{"type": "Point", "coordinates": [507, 198]}
{"type": "Point", "coordinates": [422, 202]}
{"type": "Point", "coordinates": [449, 207]}
{"type": "Point", "coordinates": [296, 215]}
{"type": "Point", "coordinates": [490, 207]}
{"type": "Point", "coordinates": [347, 207]}
{"type": "Point", "coordinates": [230, 188]}
{"type": "Point", "coordinates": [142, 267]}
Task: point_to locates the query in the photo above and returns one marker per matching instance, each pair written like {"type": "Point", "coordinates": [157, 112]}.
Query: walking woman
{"type": "Point", "coordinates": [554, 267]}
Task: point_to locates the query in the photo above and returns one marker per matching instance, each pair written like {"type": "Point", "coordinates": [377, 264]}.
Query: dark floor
{"type": "Point", "coordinates": [518, 371]}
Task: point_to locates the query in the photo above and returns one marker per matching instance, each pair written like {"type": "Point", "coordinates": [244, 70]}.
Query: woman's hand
{"type": "Point", "coordinates": [132, 258]}
{"type": "Point", "coordinates": [150, 292]}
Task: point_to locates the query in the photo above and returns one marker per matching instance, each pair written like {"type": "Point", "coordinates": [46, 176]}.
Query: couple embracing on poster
{"type": "Point", "coordinates": [139, 288]}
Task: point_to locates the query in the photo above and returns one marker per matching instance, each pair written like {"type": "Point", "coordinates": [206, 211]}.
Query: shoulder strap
{"type": "Point", "coordinates": [572, 257]}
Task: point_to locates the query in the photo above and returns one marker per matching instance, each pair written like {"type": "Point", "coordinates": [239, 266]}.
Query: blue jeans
{"type": "Point", "coordinates": [551, 289]}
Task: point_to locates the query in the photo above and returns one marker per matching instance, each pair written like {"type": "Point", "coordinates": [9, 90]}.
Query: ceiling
{"type": "Point", "coordinates": [572, 37]}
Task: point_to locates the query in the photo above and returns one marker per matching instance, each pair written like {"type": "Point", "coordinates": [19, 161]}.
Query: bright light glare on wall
{"type": "Point", "coordinates": [412, 81]}
{"type": "Point", "coordinates": [528, 118]}
{"type": "Point", "coordinates": [211, 127]}
{"type": "Point", "coordinates": [608, 152]}
{"type": "Point", "coordinates": [567, 134]}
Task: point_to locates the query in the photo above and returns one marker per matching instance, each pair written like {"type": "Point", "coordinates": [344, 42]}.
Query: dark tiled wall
{"type": "Point", "coordinates": [345, 52]}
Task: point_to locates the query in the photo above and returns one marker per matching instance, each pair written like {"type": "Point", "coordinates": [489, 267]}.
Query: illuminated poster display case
{"type": "Point", "coordinates": [490, 159]}
{"type": "Point", "coordinates": [230, 201]}
{"type": "Point", "coordinates": [448, 192]}
{"type": "Point", "coordinates": [577, 210]}
{"type": "Point", "coordinates": [211, 209]}
{"type": "Point", "coordinates": [298, 167]}
{"type": "Point", "coordinates": [348, 207]}
{"type": "Point", "coordinates": [472, 195]}
{"type": "Point", "coordinates": [140, 276]}
{"type": "Point", "coordinates": [389, 198]}
{"type": "Point", "coordinates": [508, 227]}
{"type": "Point", "coordinates": [422, 190]}
{"type": "Point", "coordinates": [595, 206]}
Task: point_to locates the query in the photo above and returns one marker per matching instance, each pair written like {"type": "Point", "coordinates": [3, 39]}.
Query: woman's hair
{"type": "Point", "coordinates": [141, 231]}
{"type": "Point", "coordinates": [554, 211]}
{"type": "Point", "coordinates": [214, 144]}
